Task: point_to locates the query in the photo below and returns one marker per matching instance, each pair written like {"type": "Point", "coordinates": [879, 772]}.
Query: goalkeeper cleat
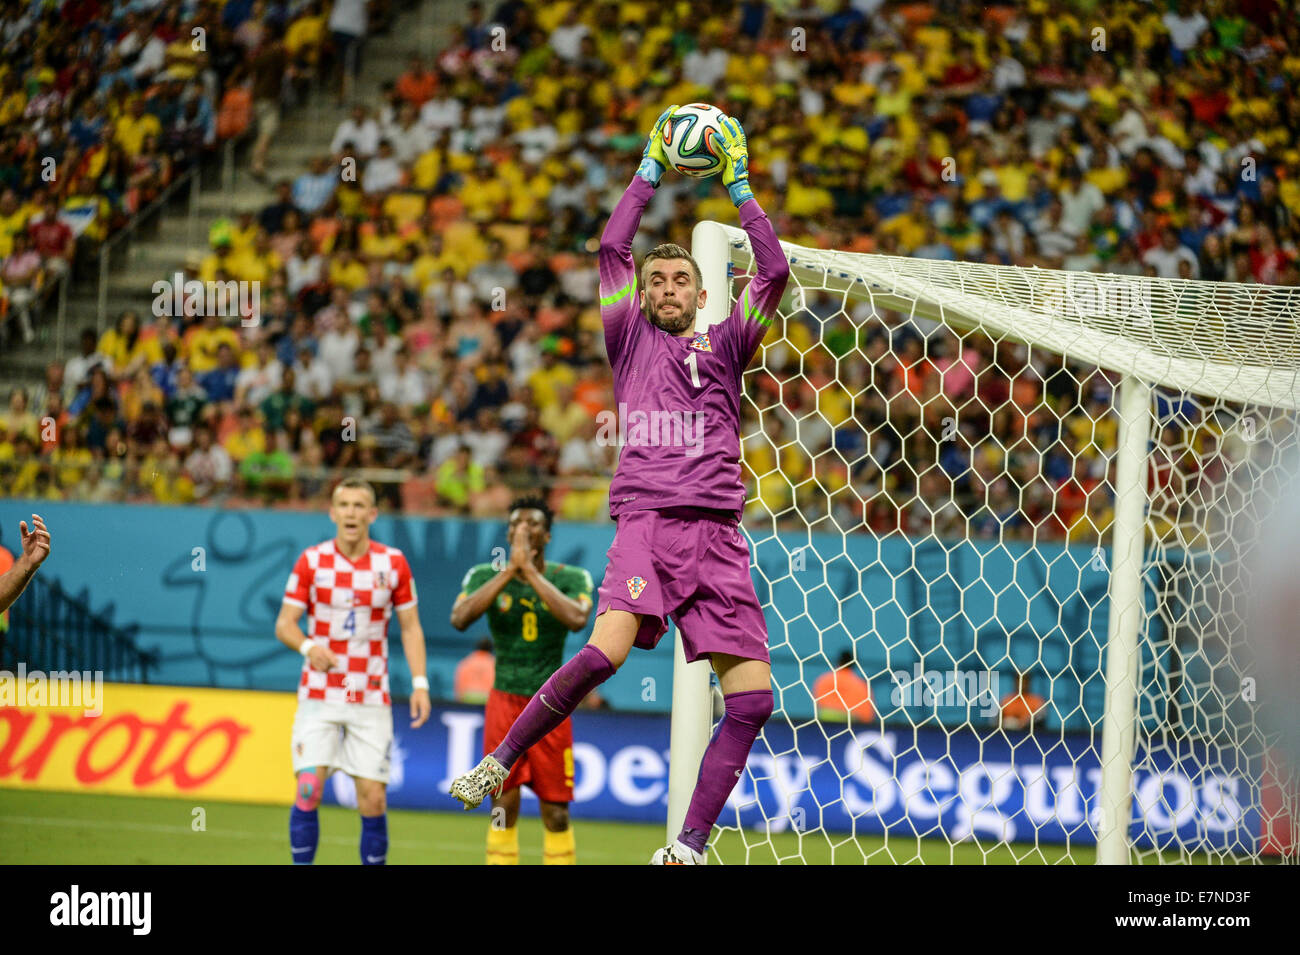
{"type": "Point", "coordinates": [482, 781]}
{"type": "Point", "coordinates": [677, 854]}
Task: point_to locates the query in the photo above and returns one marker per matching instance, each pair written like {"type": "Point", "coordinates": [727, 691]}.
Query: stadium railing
{"type": "Point", "coordinates": [193, 178]}
{"type": "Point", "coordinates": [407, 490]}
{"type": "Point", "coordinates": [53, 631]}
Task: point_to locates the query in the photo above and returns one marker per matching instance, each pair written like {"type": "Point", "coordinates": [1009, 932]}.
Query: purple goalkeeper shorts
{"type": "Point", "coordinates": [690, 564]}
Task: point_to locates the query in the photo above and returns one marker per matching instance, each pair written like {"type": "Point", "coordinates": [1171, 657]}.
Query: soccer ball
{"type": "Point", "coordinates": [693, 140]}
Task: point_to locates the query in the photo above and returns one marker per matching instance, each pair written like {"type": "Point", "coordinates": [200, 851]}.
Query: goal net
{"type": "Point", "coordinates": [1001, 522]}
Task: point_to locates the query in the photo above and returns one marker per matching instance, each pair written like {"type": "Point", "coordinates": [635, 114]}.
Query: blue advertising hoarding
{"type": "Point", "coordinates": [924, 781]}
{"type": "Point", "coordinates": [203, 585]}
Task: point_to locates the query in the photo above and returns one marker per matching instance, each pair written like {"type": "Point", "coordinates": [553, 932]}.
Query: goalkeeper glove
{"type": "Point", "coordinates": [735, 168]}
{"type": "Point", "coordinates": [653, 159]}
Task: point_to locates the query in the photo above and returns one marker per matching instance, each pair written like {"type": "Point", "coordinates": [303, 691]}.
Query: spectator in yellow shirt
{"type": "Point", "coordinates": [457, 478]}
{"type": "Point", "coordinates": [129, 347]}
{"type": "Point", "coordinates": [243, 234]}
{"type": "Point", "coordinates": [202, 342]}
{"type": "Point", "coordinates": [183, 60]}
{"type": "Point", "coordinates": [302, 41]}
{"type": "Point", "coordinates": [347, 271]}
{"type": "Point", "coordinates": [379, 240]}
{"type": "Point", "coordinates": [564, 418]}
{"type": "Point", "coordinates": [248, 438]}
{"type": "Point", "coordinates": [134, 126]}
{"type": "Point", "coordinates": [220, 260]}
{"type": "Point", "coordinates": [806, 197]}
{"type": "Point", "coordinates": [430, 263]}
{"type": "Point", "coordinates": [909, 226]}
{"type": "Point", "coordinates": [482, 192]}
{"type": "Point", "coordinates": [20, 419]}
{"type": "Point", "coordinates": [13, 100]}
{"type": "Point", "coordinates": [545, 381]}
{"type": "Point", "coordinates": [258, 263]}
{"type": "Point", "coordinates": [13, 219]}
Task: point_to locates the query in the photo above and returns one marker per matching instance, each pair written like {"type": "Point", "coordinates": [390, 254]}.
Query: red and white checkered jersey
{"type": "Point", "coordinates": [348, 606]}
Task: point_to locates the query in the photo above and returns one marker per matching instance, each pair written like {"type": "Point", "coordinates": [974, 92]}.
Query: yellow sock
{"type": "Point", "coordinates": [503, 846]}
{"type": "Point", "coordinates": [559, 848]}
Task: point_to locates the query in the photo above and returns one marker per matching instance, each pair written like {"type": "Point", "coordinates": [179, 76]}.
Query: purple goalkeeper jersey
{"type": "Point", "coordinates": [678, 399]}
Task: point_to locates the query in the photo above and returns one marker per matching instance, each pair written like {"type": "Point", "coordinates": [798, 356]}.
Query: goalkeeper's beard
{"type": "Point", "coordinates": [675, 322]}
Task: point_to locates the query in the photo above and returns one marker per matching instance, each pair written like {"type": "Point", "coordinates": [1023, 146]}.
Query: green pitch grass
{"type": "Point", "coordinates": [75, 829]}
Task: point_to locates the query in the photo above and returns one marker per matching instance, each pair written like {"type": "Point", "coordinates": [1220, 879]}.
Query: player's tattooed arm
{"type": "Point", "coordinates": [470, 606]}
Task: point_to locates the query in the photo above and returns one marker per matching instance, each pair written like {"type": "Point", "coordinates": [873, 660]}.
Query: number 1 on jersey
{"type": "Point", "coordinates": [695, 371]}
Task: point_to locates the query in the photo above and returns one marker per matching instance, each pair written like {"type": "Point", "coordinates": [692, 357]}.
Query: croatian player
{"type": "Point", "coordinates": [532, 604]}
{"type": "Point", "coordinates": [18, 573]}
{"type": "Point", "coordinates": [349, 587]}
{"type": "Point", "coordinates": [677, 501]}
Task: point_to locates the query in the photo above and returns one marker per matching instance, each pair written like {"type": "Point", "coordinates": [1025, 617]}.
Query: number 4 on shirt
{"type": "Point", "coordinates": [350, 623]}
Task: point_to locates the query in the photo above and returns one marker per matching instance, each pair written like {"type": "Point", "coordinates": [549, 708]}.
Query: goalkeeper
{"type": "Point", "coordinates": [678, 551]}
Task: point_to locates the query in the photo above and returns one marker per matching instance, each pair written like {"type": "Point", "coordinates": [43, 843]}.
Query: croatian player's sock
{"type": "Point", "coordinates": [559, 848]}
{"type": "Point", "coordinates": [503, 846]}
{"type": "Point", "coordinates": [374, 840]}
{"type": "Point", "coordinates": [558, 697]}
{"type": "Point", "coordinates": [304, 835]}
{"type": "Point", "coordinates": [723, 762]}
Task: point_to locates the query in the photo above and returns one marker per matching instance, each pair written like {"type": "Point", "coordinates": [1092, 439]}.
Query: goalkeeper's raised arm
{"type": "Point", "coordinates": [618, 301]}
{"type": "Point", "coordinates": [672, 304]}
{"type": "Point", "coordinates": [755, 310]}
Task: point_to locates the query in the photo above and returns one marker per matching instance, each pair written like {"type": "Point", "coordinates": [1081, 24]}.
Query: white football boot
{"type": "Point", "coordinates": [678, 854]}
{"type": "Point", "coordinates": [482, 781]}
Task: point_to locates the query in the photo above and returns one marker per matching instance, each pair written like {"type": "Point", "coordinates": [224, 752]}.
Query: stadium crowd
{"type": "Point", "coordinates": [434, 317]}
{"type": "Point", "coordinates": [104, 103]}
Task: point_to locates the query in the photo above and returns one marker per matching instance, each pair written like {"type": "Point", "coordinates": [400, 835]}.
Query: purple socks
{"type": "Point", "coordinates": [558, 697]}
{"type": "Point", "coordinates": [723, 762]}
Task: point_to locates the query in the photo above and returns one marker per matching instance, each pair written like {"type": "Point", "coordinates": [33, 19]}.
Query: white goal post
{"type": "Point", "coordinates": [1222, 354]}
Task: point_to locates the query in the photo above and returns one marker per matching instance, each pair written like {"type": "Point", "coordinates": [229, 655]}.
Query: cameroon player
{"type": "Point", "coordinates": [531, 604]}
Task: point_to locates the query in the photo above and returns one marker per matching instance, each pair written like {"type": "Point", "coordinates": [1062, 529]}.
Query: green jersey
{"type": "Point", "coordinates": [527, 638]}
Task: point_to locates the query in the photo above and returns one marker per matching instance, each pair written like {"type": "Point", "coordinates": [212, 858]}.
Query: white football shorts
{"type": "Point", "coordinates": [354, 737]}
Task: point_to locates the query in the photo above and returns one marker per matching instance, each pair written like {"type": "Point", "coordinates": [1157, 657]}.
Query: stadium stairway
{"type": "Point", "coordinates": [167, 244]}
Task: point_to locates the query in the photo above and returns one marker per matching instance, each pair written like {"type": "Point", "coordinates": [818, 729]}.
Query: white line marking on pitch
{"type": "Point", "coordinates": [254, 836]}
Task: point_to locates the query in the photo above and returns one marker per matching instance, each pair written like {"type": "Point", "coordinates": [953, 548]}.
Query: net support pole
{"type": "Point", "coordinates": [692, 709]}
{"type": "Point", "coordinates": [689, 733]}
{"type": "Point", "coordinates": [1119, 718]}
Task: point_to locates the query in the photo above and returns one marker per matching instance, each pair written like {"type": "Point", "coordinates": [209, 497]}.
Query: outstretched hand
{"type": "Point", "coordinates": [36, 543]}
{"type": "Point", "coordinates": [653, 158]}
{"type": "Point", "coordinates": [735, 170]}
